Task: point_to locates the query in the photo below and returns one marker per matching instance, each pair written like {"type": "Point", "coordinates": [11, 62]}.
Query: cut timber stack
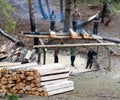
{"type": "Point", "coordinates": [39, 80]}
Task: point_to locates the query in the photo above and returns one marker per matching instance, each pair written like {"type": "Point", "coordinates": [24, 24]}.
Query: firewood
{"type": "Point", "coordinates": [38, 85]}
{"type": "Point", "coordinates": [29, 78]}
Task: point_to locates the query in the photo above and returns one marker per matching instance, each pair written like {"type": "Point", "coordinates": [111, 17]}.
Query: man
{"type": "Point", "coordinates": [75, 18]}
{"type": "Point", "coordinates": [52, 23]}
{"type": "Point", "coordinates": [72, 58]}
{"type": "Point", "coordinates": [96, 22]}
{"type": "Point", "coordinates": [56, 51]}
{"type": "Point", "coordinates": [90, 55]}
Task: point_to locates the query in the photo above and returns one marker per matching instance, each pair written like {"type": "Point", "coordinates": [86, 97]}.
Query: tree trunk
{"type": "Point", "coordinates": [67, 15]}
{"type": "Point", "coordinates": [32, 20]}
{"type": "Point", "coordinates": [32, 17]}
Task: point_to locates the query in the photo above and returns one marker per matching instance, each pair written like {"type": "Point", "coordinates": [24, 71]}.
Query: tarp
{"type": "Point", "coordinates": [41, 10]}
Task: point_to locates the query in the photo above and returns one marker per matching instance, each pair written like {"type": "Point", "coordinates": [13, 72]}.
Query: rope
{"type": "Point", "coordinates": [41, 10]}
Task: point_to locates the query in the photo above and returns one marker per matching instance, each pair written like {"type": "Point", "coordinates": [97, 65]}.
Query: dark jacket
{"type": "Point", "coordinates": [91, 54]}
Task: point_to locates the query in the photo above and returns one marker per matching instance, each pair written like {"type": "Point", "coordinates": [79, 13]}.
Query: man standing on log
{"type": "Point", "coordinates": [96, 22]}
{"type": "Point", "coordinates": [75, 18]}
{"type": "Point", "coordinates": [90, 55]}
{"type": "Point", "coordinates": [52, 23]}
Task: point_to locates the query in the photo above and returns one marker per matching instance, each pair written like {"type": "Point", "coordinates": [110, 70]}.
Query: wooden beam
{"type": "Point", "coordinates": [46, 72]}
{"type": "Point", "coordinates": [5, 64]}
{"type": "Point", "coordinates": [53, 77]}
{"type": "Point", "coordinates": [48, 36]}
{"type": "Point", "coordinates": [22, 66]}
{"type": "Point", "coordinates": [53, 81]}
{"type": "Point", "coordinates": [59, 91]}
{"type": "Point", "coordinates": [57, 86]}
{"type": "Point", "coordinates": [75, 45]}
{"type": "Point", "coordinates": [48, 67]}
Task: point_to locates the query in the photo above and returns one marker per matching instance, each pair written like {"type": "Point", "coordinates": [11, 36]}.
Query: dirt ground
{"type": "Point", "coordinates": [91, 85]}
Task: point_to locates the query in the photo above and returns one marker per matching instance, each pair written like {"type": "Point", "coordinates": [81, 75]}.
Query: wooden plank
{"type": "Point", "coordinates": [22, 66]}
{"type": "Point", "coordinates": [53, 77]}
{"type": "Point", "coordinates": [48, 67]}
{"type": "Point", "coordinates": [51, 72]}
{"type": "Point", "coordinates": [62, 90]}
{"type": "Point", "coordinates": [28, 55]}
{"type": "Point", "coordinates": [58, 86]}
{"type": "Point", "coordinates": [2, 64]}
{"type": "Point", "coordinates": [53, 81]}
{"type": "Point", "coordinates": [75, 45]}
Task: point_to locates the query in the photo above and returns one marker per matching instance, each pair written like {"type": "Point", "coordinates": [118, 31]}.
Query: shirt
{"type": "Point", "coordinates": [73, 51]}
{"type": "Point", "coordinates": [52, 17]}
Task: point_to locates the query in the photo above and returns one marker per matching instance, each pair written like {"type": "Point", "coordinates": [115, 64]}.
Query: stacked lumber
{"type": "Point", "coordinates": [38, 80]}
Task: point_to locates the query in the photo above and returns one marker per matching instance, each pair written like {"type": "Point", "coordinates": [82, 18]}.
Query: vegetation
{"type": "Point", "coordinates": [6, 21]}
{"type": "Point", "coordinates": [12, 97]}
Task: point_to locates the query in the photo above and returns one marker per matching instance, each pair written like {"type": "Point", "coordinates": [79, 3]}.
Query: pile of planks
{"type": "Point", "coordinates": [39, 80]}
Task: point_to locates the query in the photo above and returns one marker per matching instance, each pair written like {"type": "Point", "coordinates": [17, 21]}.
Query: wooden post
{"type": "Point", "coordinates": [96, 60]}
{"type": "Point", "coordinates": [39, 56]}
{"type": "Point", "coordinates": [44, 56]}
{"type": "Point", "coordinates": [97, 53]}
{"type": "Point", "coordinates": [109, 61]}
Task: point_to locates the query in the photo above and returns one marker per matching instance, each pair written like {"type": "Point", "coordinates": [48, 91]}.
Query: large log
{"type": "Point", "coordinates": [84, 22]}
{"type": "Point", "coordinates": [111, 39]}
{"type": "Point", "coordinates": [57, 86]}
{"type": "Point", "coordinates": [8, 36]}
